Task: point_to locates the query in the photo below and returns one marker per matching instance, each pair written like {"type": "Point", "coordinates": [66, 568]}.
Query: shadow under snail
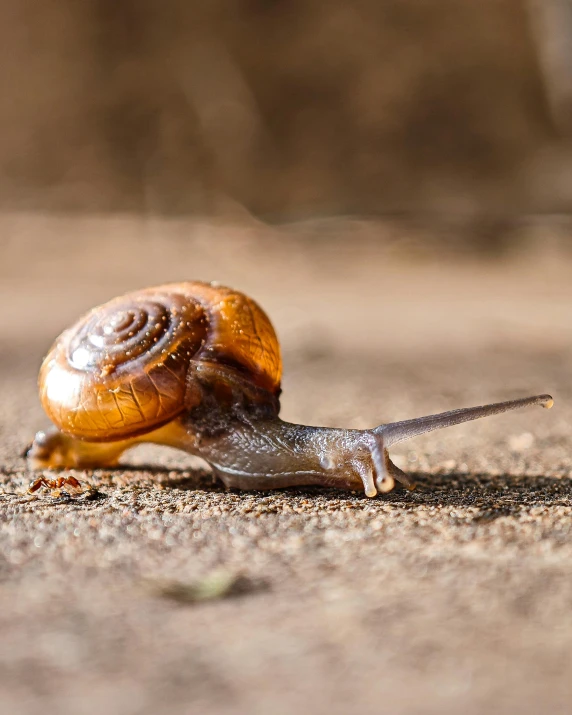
{"type": "Point", "coordinates": [197, 366]}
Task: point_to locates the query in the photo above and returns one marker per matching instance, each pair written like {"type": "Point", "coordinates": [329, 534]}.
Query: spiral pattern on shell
{"type": "Point", "coordinates": [115, 337]}
{"type": "Point", "coordinates": [109, 338]}
{"type": "Point", "coordinates": [123, 369]}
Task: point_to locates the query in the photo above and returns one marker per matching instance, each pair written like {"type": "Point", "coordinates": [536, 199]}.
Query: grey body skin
{"type": "Point", "coordinates": [251, 450]}
{"type": "Point", "coordinates": [272, 454]}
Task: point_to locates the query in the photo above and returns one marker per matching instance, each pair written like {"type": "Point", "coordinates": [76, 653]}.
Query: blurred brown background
{"type": "Point", "coordinates": [392, 182]}
{"type": "Point", "coordinates": [287, 109]}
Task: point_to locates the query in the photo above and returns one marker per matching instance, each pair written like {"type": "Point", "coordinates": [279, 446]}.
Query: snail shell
{"type": "Point", "coordinates": [126, 367]}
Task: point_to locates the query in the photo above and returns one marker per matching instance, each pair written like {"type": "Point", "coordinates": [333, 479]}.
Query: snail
{"type": "Point", "coordinates": [197, 366]}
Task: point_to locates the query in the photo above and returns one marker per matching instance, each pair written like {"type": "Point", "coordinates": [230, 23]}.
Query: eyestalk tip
{"type": "Point", "coordinates": [547, 402]}
{"type": "Point", "coordinates": [386, 484]}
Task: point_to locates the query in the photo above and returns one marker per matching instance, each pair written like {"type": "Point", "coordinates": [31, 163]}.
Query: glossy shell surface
{"type": "Point", "coordinates": [125, 367]}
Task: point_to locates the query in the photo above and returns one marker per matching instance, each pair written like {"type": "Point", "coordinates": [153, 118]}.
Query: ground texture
{"type": "Point", "coordinates": [164, 592]}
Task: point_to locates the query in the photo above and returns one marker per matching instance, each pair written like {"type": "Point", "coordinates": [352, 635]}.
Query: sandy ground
{"type": "Point", "coordinates": [454, 597]}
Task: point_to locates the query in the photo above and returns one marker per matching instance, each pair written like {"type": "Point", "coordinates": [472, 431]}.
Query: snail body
{"type": "Point", "coordinates": [197, 366]}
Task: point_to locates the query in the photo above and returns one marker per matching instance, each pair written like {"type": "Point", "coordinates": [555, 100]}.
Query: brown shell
{"type": "Point", "coordinates": [123, 368]}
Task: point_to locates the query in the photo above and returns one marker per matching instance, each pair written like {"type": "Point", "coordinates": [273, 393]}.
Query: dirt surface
{"type": "Point", "coordinates": [454, 597]}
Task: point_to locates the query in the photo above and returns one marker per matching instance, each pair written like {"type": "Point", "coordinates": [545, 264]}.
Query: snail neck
{"type": "Point", "coordinates": [255, 449]}
{"type": "Point", "coordinates": [218, 395]}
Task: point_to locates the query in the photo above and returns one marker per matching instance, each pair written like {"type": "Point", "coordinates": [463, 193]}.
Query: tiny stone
{"type": "Point", "coordinates": [521, 442]}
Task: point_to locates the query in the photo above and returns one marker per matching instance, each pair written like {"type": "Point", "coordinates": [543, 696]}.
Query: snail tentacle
{"type": "Point", "coordinates": [395, 432]}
